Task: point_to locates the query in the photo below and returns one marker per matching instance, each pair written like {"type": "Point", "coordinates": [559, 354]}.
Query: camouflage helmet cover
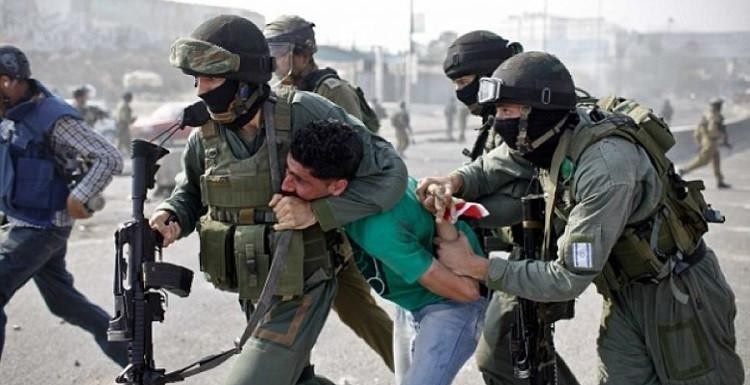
{"type": "Point", "coordinates": [13, 62]}
{"type": "Point", "coordinates": [477, 53]}
{"type": "Point", "coordinates": [536, 79]}
{"type": "Point", "coordinates": [294, 30]}
{"type": "Point", "coordinates": [225, 46]}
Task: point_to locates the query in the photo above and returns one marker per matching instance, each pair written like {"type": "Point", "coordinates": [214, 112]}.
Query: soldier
{"type": "Point", "coordinates": [710, 134]}
{"type": "Point", "coordinates": [225, 189]}
{"type": "Point", "coordinates": [617, 216]}
{"type": "Point", "coordinates": [667, 111]}
{"type": "Point", "coordinates": [463, 115]}
{"type": "Point", "coordinates": [90, 114]}
{"type": "Point", "coordinates": [472, 56]}
{"type": "Point", "coordinates": [401, 123]}
{"type": "Point", "coordinates": [124, 119]}
{"type": "Point", "coordinates": [292, 43]}
{"type": "Point", "coordinates": [41, 136]}
{"type": "Point", "coordinates": [450, 114]}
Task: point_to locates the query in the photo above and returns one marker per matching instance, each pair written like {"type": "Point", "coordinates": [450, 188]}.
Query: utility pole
{"type": "Point", "coordinates": [544, 26]}
{"type": "Point", "coordinates": [409, 58]}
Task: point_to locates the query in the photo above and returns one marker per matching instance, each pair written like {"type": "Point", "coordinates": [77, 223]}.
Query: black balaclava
{"type": "Point", "coordinates": [220, 98]}
{"type": "Point", "coordinates": [468, 96]}
{"type": "Point", "coordinates": [225, 103]}
{"type": "Point", "coordinates": [539, 122]}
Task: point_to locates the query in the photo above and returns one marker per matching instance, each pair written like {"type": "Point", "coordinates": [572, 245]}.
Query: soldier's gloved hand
{"type": "Point", "coordinates": [170, 230]}
{"type": "Point", "coordinates": [76, 208]}
{"type": "Point", "coordinates": [292, 213]}
{"type": "Point", "coordinates": [436, 193]}
{"type": "Point", "coordinates": [195, 115]}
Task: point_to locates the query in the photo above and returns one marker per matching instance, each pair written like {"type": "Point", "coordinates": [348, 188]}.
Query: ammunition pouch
{"type": "Point", "coordinates": [675, 231]}
{"type": "Point", "coordinates": [237, 258]}
{"type": "Point", "coordinates": [216, 255]}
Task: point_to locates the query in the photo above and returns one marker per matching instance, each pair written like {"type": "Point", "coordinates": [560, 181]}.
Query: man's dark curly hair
{"type": "Point", "coordinates": [331, 149]}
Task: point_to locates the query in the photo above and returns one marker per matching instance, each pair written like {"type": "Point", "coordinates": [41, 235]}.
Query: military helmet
{"type": "Point", "coordinates": [225, 46]}
{"type": "Point", "coordinates": [536, 79]}
{"type": "Point", "coordinates": [13, 63]}
{"type": "Point", "coordinates": [293, 30]}
{"type": "Point", "coordinates": [716, 102]}
{"type": "Point", "coordinates": [477, 53]}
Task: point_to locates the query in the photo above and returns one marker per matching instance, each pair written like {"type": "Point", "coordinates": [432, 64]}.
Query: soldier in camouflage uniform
{"type": "Point", "coordinates": [710, 134]}
{"type": "Point", "coordinates": [124, 119]}
{"type": "Point", "coordinates": [226, 190]}
{"type": "Point", "coordinates": [401, 123]}
{"type": "Point", "coordinates": [472, 56]}
{"type": "Point", "coordinates": [292, 43]}
{"type": "Point", "coordinates": [616, 215]}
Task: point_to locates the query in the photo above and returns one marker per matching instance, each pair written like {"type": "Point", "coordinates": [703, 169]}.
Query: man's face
{"type": "Point", "coordinates": [505, 111]}
{"type": "Point", "coordinates": [300, 182]}
{"type": "Point", "coordinates": [283, 64]}
{"type": "Point", "coordinates": [463, 81]}
{"type": "Point", "coordinates": [204, 84]}
{"type": "Point", "coordinates": [82, 99]}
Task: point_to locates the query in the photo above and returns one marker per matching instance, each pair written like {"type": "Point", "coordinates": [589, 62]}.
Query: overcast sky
{"type": "Point", "coordinates": [385, 22]}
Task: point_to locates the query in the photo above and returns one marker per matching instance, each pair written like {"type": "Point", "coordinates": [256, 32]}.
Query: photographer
{"type": "Point", "coordinates": [40, 135]}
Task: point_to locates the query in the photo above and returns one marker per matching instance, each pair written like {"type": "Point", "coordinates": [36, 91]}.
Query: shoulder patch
{"type": "Point", "coordinates": [332, 82]}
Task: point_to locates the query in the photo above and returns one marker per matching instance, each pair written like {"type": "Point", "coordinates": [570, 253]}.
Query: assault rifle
{"type": "Point", "coordinates": [532, 331]}
{"type": "Point", "coordinates": [140, 277]}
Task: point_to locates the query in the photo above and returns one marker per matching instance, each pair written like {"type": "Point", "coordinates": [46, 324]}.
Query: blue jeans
{"type": "Point", "coordinates": [433, 343]}
{"type": "Point", "coordinates": [27, 253]}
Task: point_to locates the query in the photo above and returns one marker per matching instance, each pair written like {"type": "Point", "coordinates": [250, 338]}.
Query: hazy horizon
{"type": "Point", "coordinates": [359, 23]}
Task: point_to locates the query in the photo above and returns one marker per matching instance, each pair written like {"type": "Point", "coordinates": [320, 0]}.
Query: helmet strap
{"type": "Point", "coordinates": [522, 141]}
{"type": "Point", "coordinates": [548, 135]}
{"type": "Point", "coordinates": [239, 106]}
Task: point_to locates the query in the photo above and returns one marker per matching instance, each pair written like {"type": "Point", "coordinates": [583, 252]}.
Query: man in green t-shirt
{"type": "Point", "coordinates": [439, 314]}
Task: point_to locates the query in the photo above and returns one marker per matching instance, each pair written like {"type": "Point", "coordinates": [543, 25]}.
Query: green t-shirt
{"type": "Point", "coordinates": [394, 249]}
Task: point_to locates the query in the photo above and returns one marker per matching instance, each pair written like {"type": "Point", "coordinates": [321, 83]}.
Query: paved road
{"type": "Point", "coordinates": [42, 350]}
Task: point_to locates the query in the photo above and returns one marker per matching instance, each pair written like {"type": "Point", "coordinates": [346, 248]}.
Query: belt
{"type": "Point", "coordinates": [247, 216]}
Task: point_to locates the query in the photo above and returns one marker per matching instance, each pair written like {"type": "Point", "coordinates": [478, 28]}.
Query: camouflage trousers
{"type": "Point", "coordinates": [646, 336]}
{"type": "Point", "coordinates": [709, 154]}
{"type": "Point", "coordinates": [402, 140]}
{"type": "Point", "coordinates": [279, 349]}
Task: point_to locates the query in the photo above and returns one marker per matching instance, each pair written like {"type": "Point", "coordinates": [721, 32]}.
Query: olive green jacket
{"type": "Point", "coordinates": [612, 185]}
{"type": "Point", "coordinates": [342, 93]}
{"type": "Point", "coordinates": [378, 185]}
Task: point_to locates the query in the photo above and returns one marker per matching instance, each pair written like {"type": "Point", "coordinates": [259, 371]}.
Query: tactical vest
{"type": "Point", "coordinates": [236, 232]}
{"type": "Point", "coordinates": [313, 81]}
{"type": "Point", "coordinates": [649, 250]}
{"type": "Point", "coordinates": [33, 187]}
